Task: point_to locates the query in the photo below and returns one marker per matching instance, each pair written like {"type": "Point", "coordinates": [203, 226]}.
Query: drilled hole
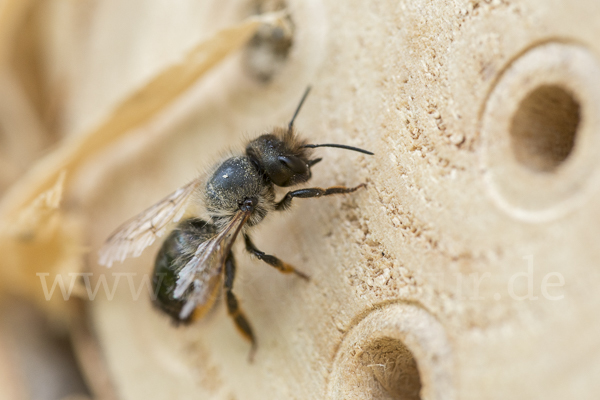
{"type": "Point", "coordinates": [393, 369]}
{"type": "Point", "coordinates": [544, 128]}
{"type": "Point", "coordinates": [268, 50]}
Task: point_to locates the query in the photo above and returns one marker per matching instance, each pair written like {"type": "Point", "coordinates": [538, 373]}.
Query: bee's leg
{"type": "Point", "coordinates": [272, 260]}
{"type": "Point", "coordinates": [315, 161]}
{"type": "Point", "coordinates": [285, 203]}
{"type": "Point", "coordinates": [233, 306]}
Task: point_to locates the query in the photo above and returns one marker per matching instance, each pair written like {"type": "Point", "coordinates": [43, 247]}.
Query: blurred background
{"type": "Point", "coordinates": [69, 76]}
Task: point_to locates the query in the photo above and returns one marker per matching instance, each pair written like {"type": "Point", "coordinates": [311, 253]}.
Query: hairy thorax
{"type": "Point", "coordinates": [234, 181]}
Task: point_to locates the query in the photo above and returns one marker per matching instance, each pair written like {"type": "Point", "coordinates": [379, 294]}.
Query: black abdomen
{"type": "Point", "coordinates": [177, 250]}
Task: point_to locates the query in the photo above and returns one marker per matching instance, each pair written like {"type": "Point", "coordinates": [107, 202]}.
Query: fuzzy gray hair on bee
{"type": "Point", "coordinates": [196, 260]}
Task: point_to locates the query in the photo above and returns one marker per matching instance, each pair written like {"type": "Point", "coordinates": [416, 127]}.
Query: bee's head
{"type": "Point", "coordinates": [282, 157]}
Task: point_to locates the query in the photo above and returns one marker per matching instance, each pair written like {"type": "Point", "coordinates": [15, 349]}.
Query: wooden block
{"type": "Point", "coordinates": [468, 267]}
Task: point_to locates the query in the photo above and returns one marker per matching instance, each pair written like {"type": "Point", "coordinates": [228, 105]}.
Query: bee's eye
{"type": "Point", "coordinates": [294, 163]}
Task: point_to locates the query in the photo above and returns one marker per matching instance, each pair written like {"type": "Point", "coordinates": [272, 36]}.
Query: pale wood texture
{"type": "Point", "coordinates": [467, 269]}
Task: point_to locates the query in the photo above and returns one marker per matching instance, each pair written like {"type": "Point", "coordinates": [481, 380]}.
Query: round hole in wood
{"type": "Point", "coordinates": [544, 128]}
{"type": "Point", "coordinates": [539, 131]}
{"type": "Point", "coordinates": [392, 370]}
{"type": "Point", "coordinates": [397, 351]}
{"type": "Point", "coordinates": [268, 50]}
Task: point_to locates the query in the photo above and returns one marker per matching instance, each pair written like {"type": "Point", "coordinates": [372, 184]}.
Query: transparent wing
{"type": "Point", "coordinates": [131, 238]}
{"type": "Point", "coordinates": [207, 262]}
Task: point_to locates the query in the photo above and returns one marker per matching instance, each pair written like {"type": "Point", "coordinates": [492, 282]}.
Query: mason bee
{"type": "Point", "coordinates": [236, 194]}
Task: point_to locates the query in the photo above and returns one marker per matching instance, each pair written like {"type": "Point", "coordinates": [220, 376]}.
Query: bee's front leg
{"type": "Point", "coordinates": [286, 202]}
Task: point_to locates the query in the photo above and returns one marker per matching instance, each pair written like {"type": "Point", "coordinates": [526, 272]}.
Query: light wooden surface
{"type": "Point", "coordinates": [467, 269]}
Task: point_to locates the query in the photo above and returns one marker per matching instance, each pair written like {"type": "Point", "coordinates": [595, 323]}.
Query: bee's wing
{"type": "Point", "coordinates": [207, 262]}
{"type": "Point", "coordinates": [131, 238]}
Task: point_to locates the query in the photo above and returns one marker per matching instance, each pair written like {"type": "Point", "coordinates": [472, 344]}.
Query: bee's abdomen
{"type": "Point", "coordinates": [177, 250]}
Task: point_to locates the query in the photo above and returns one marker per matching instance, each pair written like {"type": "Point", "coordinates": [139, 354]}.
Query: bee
{"type": "Point", "coordinates": [195, 259]}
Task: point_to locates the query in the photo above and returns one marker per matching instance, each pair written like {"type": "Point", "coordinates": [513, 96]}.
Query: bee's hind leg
{"type": "Point", "coordinates": [233, 306]}
{"type": "Point", "coordinates": [272, 260]}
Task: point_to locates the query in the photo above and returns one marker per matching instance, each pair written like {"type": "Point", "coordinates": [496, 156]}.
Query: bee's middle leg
{"type": "Point", "coordinates": [272, 260]}
{"type": "Point", "coordinates": [233, 306]}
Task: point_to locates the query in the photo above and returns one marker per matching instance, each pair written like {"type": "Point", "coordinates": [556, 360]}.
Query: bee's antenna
{"type": "Point", "coordinates": [291, 125]}
{"type": "Point", "coordinates": [339, 146]}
